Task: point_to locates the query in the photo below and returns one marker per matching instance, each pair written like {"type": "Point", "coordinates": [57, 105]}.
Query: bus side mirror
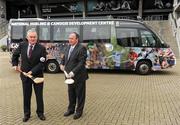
{"type": "Point", "coordinates": [165, 45]}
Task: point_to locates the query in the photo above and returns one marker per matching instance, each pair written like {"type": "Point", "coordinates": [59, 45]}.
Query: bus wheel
{"type": "Point", "coordinates": [52, 66]}
{"type": "Point", "coordinates": [143, 67]}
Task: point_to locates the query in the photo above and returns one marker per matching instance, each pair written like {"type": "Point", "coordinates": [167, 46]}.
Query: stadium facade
{"type": "Point", "coordinates": [145, 9]}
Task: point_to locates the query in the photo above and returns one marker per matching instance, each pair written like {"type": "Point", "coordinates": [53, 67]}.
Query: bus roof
{"type": "Point", "coordinates": [76, 19]}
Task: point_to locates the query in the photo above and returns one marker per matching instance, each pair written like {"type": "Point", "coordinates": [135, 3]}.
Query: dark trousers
{"type": "Point", "coordinates": [27, 93]}
{"type": "Point", "coordinates": [77, 94]}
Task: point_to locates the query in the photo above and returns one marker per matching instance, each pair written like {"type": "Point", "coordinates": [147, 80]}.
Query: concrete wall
{"type": "Point", "coordinates": [3, 41]}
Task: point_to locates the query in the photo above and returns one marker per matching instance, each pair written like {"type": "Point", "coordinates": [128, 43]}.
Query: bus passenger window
{"type": "Point", "coordinates": [119, 42]}
{"type": "Point", "coordinates": [147, 39]}
{"type": "Point", "coordinates": [31, 27]}
{"type": "Point", "coordinates": [69, 30]}
{"type": "Point", "coordinates": [144, 41]}
{"type": "Point", "coordinates": [61, 33]}
{"type": "Point", "coordinates": [44, 33]}
{"type": "Point", "coordinates": [17, 32]}
{"type": "Point", "coordinates": [96, 33]}
{"type": "Point", "coordinates": [135, 41]}
{"type": "Point", "coordinates": [123, 39]}
{"type": "Point", "coordinates": [127, 37]}
{"type": "Point", "coordinates": [56, 33]}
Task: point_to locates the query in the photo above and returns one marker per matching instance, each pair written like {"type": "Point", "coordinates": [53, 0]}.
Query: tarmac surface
{"type": "Point", "coordinates": [120, 98]}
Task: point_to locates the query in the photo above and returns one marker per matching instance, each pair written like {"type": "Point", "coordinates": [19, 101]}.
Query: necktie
{"type": "Point", "coordinates": [70, 51]}
{"type": "Point", "coordinates": [30, 51]}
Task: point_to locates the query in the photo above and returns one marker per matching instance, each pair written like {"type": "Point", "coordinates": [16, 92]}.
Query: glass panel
{"type": "Point", "coordinates": [56, 33]}
{"type": "Point", "coordinates": [44, 33]}
{"type": "Point", "coordinates": [97, 32]}
{"type": "Point", "coordinates": [17, 32]}
{"type": "Point", "coordinates": [147, 39]}
{"type": "Point", "coordinates": [127, 37]}
{"type": "Point", "coordinates": [30, 27]}
{"type": "Point", "coordinates": [69, 30]}
{"type": "Point", "coordinates": [62, 32]}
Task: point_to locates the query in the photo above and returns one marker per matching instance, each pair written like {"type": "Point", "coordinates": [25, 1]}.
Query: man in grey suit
{"type": "Point", "coordinates": [33, 56]}
{"type": "Point", "coordinates": [73, 63]}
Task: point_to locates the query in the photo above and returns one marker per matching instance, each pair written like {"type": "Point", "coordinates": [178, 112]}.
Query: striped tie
{"type": "Point", "coordinates": [30, 51]}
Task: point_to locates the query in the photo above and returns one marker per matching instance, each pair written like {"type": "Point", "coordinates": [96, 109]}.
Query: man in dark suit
{"type": "Point", "coordinates": [33, 56]}
{"type": "Point", "coordinates": [73, 63]}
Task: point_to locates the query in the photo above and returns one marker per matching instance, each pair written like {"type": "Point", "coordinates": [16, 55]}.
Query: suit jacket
{"type": "Point", "coordinates": [35, 63]}
{"type": "Point", "coordinates": [76, 62]}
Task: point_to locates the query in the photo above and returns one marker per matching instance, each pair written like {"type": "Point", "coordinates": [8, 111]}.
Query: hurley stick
{"type": "Point", "coordinates": [35, 79]}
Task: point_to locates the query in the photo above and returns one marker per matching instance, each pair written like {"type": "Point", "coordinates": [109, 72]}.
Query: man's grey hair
{"type": "Point", "coordinates": [31, 30]}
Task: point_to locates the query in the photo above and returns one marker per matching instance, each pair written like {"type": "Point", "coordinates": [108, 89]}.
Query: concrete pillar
{"type": "Point", "coordinates": [140, 9]}
{"type": "Point", "coordinates": [38, 11]}
{"type": "Point", "coordinates": [84, 8]}
{"type": "Point", "coordinates": [3, 9]}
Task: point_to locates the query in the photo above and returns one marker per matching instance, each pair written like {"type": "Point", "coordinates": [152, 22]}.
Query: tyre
{"type": "Point", "coordinates": [52, 66]}
{"type": "Point", "coordinates": [143, 67]}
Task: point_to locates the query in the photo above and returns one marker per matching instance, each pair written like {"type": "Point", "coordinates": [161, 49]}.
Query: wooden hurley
{"type": "Point", "coordinates": [36, 80]}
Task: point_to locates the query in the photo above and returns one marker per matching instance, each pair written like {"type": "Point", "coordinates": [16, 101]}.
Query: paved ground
{"type": "Point", "coordinates": [112, 98]}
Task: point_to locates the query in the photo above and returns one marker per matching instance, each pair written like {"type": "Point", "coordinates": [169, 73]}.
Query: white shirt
{"type": "Point", "coordinates": [70, 51]}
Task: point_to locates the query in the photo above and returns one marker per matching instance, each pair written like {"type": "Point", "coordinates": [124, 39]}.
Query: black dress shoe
{"type": "Point", "coordinates": [77, 116]}
{"type": "Point", "coordinates": [26, 118]}
{"type": "Point", "coordinates": [68, 113]}
{"type": "Point", "coordinates": [42, 117]}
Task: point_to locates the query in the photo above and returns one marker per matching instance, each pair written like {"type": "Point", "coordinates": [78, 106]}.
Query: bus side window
{"type": "Point", "coordinates": [144, 41]}
{"type": "Point", "coordinates": [17, 32]}
{"type": "Point", "coordinates": [127, 37]}
{"type": "Point", "coordinates": [44, 33]}
{"type": "Point", "coordinates": [56, 33]}
{"type": "Point", "coordinates": [122, 39]}
{"type": "Point", "coordinates": [135, 41]}
{"type": "Point", "coordinates": [30, 27]}
{"type": "Point", "coordinates": [120, 42]}
{"type": "Point", "coordinates": [61, 33]}
{"type": "Point", "coordinates": [96, 34]}
{"type": "Point", "coordinates": [69, 29]}
{"type": "Point", "coordinates": [147, 39]}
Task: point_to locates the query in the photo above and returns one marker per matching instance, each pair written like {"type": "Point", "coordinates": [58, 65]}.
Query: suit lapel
{"type": "Point", "coordinates": [66, 54]}
{"type": "Point", "coordinates": [26, 52]}
{"type": "Point", "coordinates": [72, 53]}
